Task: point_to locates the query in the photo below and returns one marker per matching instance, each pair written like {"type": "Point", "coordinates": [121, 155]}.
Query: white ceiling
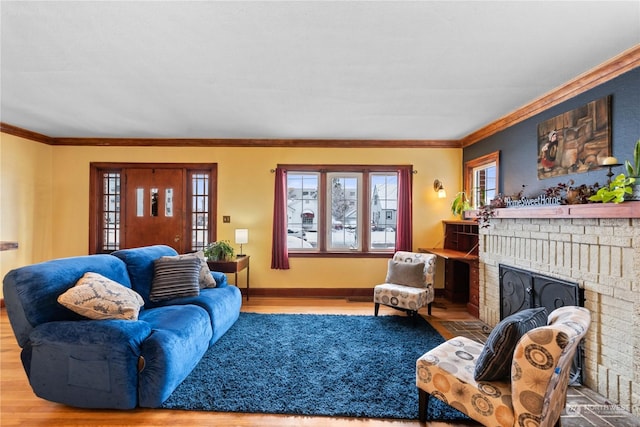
{"type": "Point", "coordinates": [298, 69]}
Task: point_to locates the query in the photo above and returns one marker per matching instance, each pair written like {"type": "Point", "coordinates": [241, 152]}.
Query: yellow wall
{"type": "Point", "coordinates": [245, 192]}
{"type": "Point", "coordinates": [26, 201]}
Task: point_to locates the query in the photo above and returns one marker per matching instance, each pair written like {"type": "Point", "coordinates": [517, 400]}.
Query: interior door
{"type": "Point", "coordinates": [153, 208]}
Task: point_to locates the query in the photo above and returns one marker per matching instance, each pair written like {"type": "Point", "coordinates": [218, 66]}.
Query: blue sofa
{"type": "Point", "coordinates": [112, 363]}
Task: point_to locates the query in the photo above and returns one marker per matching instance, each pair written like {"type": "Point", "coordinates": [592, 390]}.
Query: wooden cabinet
{"type": "Point", "coordinates": [460, 254]}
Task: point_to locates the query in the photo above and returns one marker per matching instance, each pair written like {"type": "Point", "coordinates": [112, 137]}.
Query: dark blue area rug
{"type": "Point", "coordinates": [332, 365]}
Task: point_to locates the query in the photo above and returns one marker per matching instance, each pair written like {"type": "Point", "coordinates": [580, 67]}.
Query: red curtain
{"type": "Point", "coordinates": [404, 227]}
{"type": "Point", "coordinates": [279, 252]}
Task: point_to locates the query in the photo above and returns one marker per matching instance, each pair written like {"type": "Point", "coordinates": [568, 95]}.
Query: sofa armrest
{"type": "Point", "coordinates": [87, 363]}
{"type": "Point", "coordinates": [220, 278]}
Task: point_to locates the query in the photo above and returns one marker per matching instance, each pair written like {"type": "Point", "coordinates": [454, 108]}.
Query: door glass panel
{"type": "Point", "coordinates": [200, 210]}
{"type": "Point", "coordinates": [111, 210]}
{"type": "Point", "coordinates": [140, 202]}
{"type": "Point", "coordinates": [168, 202]}
{"type": "Point", "coordinates": [154, 201]}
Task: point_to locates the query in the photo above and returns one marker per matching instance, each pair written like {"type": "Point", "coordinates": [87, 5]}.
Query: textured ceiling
{"type": "Point", "coordinates": [300, 70]}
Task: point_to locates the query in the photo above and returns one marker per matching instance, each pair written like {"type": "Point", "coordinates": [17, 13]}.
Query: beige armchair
{"type": "Point", "coordinates": [409, 283]}
{"type": "Point", "coordinates": [534, 394]}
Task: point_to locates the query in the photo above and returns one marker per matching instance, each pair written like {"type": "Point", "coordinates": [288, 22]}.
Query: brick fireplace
{"type": "Point", "coordinates": [597, 247]}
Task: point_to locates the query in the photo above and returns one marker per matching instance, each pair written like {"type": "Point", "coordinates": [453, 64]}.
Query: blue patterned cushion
{"type": "Point", "coordinates": [494, 363]}
{"type": "Point", "coordinates": [175, 277]}
{"type": "Point", "coordinates": [98, 297]}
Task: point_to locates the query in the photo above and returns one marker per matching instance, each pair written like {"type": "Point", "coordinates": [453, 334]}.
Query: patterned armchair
{"type": "Point", "coordinates": [409, 283]}
{"type": "Point", "coordinates": [534, 396]}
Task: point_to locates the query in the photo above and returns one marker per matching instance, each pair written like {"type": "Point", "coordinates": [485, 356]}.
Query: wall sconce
{"type": "Point", "coordinates": [242, 237]}
{"type": "Point", "coordinates": [438, 187]}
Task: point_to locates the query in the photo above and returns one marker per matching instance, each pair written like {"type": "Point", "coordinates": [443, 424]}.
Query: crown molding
{"type": "Point", "coordinates": [26, 134]}
{"type": "Point", "coordinates": [252, 142]}
{"type": "Point", "coordinates": [625, 62]}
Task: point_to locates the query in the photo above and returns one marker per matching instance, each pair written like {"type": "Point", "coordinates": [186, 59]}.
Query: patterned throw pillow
{"type": "Point", "coordinates": [206, 279]}
{"type": "Point", "coordinates": [98, 297]}
{"type": "Point", "coordinates": [494, 363]}
{"type": "Point", "coordinates": [175, 277]}
{"type": "Point", "coordinates": [406, 273]}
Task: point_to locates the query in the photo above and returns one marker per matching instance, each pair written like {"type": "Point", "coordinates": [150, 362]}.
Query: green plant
{"type": "Point", "coordinates": [460, 204]}
{"type": "Point", "coordinates": [634, 169]}
{"type": "Point", "coordinates": [615, 191]}
{"type": "Point", "coordinates": [219, 251]}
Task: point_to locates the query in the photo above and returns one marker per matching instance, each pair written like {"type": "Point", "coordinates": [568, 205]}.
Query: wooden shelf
{"type": "Point", "coordinates": [589, 210]}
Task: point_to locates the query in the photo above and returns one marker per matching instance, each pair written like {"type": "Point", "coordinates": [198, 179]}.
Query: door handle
{"type": "Point", "coordinates": [177, 238]}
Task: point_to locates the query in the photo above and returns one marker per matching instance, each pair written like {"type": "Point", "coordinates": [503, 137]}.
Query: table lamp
{"type": "Point", "coordinates": [242, 237]}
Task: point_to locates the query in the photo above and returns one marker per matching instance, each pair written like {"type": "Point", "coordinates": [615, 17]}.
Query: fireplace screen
{"type": "Point", "coordinates": [521, 289]}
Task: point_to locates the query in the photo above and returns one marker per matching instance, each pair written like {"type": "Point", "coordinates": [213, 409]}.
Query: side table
{"type": "Point", "coordinates": [232, 266]}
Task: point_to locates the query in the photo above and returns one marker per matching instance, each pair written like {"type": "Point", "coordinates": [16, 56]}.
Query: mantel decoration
{"type": "Point", "coordinates": [615, 191]}
{"type": "Point", "coordinates": [575, 141]}
{"type": "Point", "coordinates": [633, 171]}
{"type": "Point", "coordinates": [219, 251]}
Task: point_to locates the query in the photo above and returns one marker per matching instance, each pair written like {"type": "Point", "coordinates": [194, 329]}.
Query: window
{"type": "Point", "coordinates": [342, 209]}
{"type": "Point", "coordinates": [111, 210]}
{"type": "Point", "coordinates": [481, 179]}
{"type": "Point", "coordinates": [199, 210]}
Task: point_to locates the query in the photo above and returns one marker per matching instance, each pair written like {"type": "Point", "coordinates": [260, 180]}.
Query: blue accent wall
{"type": "Point", "coordinates": [519, 147]}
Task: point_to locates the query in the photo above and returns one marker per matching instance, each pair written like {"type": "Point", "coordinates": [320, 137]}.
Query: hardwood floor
{"type": "Point", "coordinates": [20, 407]}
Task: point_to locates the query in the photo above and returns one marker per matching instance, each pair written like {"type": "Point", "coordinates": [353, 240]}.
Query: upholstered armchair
{"type": "Point", "coordinates": [533, 393]}
{"type": "Point", "coordinates": [409, 283]}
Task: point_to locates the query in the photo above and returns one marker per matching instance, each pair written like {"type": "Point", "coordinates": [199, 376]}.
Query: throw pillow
{"type": "Point", "coordinates": [175, 277]}
{"type": "Point", "coordinates": [494, 362]}
{"type": "Point", "coordinates": [406, 273]}
{"type": "Point", "coordinates": [98, 297]}
{"type": "Point", "coordinates": [205, 278]}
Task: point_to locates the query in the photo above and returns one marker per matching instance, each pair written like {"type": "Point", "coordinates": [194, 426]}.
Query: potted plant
{"type": "Point", "coordinates": [460, 204]}
{"type": "Point", "coordinates": [219, 251]}
{"type": "Point", "coordinates": [616, 191]}
{"type": "Point", "coordinates": [633, 171]}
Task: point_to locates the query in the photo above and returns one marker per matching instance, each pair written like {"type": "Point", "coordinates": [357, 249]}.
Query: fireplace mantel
{"type": "Point", "coordinates": [590, 210]}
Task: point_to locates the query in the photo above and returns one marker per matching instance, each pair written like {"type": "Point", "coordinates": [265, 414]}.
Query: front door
{"type": "Point", "coordinates": [154, 210]}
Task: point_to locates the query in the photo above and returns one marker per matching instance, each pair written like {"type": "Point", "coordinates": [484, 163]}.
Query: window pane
{"type": "Point", "coordinates": [139, 202]}
{"type": "Point", "coordinates": [111, 211]}
{"type": "Point", "coordinates": [484, 184]}
{"type": "Point", "coordinates": [153, 194]}
{"type": "Point", "coordinates": [343, 195]}
{"type": "Point", "coordinates": [168, 202]}
{"type": "Point", "coordinates": [199, 211]}
{"type": "Point", "coordinates": [384, 210]}
{"type": "Point", "coordinates": [302, 210]}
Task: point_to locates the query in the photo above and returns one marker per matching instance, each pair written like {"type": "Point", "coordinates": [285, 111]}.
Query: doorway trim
{"type": "Point", "coordinates": [96, 209]}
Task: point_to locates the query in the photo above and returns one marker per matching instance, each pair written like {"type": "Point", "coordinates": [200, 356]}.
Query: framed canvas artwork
{"type": "Point", "coordinates": [575, 141]}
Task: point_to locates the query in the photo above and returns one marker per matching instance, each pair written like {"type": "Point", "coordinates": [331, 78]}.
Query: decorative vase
{"type": "Point", "coordinates": [635, 191]}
